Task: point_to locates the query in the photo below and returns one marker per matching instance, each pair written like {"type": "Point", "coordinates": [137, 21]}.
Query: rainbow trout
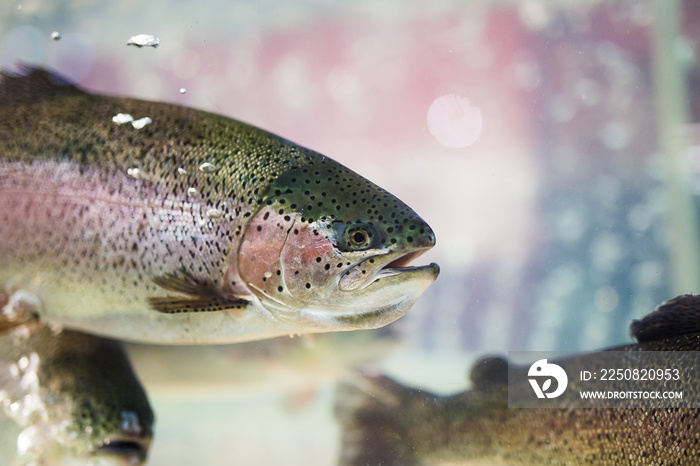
{"type": "Point", "coordinates": [69, 398]}
{"type": "Point", "coordinates": [158, 223]}
{"type": "Point", "coordinates": [387, 423]}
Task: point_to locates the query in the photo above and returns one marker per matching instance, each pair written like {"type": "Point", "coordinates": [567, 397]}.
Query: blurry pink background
{"type": "Point", "coordinates": [551, 227]}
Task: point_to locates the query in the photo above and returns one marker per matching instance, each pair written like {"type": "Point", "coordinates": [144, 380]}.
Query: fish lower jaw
{"type": "Point", "coordinates": [124, 450]}
{"type": "Point", "coordinates": [385, 300]}
{"type": "Point", "coordinates": [422, 272]}
{"type": "Point", "coordinates": [361, 276]}
{"type": "Point", "coordinates": [374, 318]}
{"type": "Point", "coordinates": [425, 271]}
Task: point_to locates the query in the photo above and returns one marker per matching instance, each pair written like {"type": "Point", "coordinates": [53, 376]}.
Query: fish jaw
{"type": "Point", "coordinates": [384, 300]}
{"type": "Point", "coordinates": [372, 269]}
{"type": "Point", "coordinates": [121, 450]}
{"type": "Point", "coordinates": [377, 290]}
{"type": "Point", "coordinates": [113, 451]}
{"type": "Point", "coordinates": [58, 443]}
{"type": "Point", "coordinates": [128, 443]}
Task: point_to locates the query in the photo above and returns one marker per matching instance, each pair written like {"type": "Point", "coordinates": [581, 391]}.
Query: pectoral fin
{"type": "Point", "coordinates": [196, 295]}
{"type": "Point", "coordinates": [673, 318]}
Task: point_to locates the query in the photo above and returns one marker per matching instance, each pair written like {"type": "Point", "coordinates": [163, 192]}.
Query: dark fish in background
{"type": "Point", "coordinates": [387, 423]}
{"type": "Point", "coordinates": [158, 223]}
{"type": "Point", "coordinates": [69, 399]}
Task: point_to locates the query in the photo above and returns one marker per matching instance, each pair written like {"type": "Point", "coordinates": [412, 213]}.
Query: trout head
{"type": "Point", "coordinates": [108, 406]}
{"type": "Point", "coordinates": [78, 400]}
{"type": "Point", "coordinates": [331, 250]}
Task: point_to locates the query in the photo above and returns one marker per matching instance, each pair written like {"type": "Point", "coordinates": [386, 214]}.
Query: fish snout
{"type": "Point", "coordinates": [425, 238]}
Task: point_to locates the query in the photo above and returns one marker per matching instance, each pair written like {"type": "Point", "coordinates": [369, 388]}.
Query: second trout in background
{"type": "Point", "coordinates": [390, 424]}
{"type": "Point", "coordinates": [69, 399]}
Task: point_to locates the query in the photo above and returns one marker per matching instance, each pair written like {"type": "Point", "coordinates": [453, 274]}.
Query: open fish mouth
{"type": "Point", "coordinates": [375, 268]}
{"type": "Point", "coordinates": [130, 450]}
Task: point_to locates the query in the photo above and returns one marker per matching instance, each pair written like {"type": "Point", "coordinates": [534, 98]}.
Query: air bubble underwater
{"type": "Point", "coordinates": [141, 122]}
{"type": "Point", "coordinates": [207, 167]}
{"type": "Point", "coordinates": [144, 40]}
{"type": "Point", "coordinates": [214, 214]}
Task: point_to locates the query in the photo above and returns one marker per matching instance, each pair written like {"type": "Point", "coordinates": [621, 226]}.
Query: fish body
{"type": "Point", "coordinates": [69, 399]}
{"type": "Point", "coordinates": [158, 223]}
{"type": "Point", "coordinates": [387, 423]}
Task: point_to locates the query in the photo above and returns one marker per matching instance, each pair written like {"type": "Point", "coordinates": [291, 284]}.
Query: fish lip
{"type": "Point", "coordinates": [416, 278]}
{"type": "Point", "coordinates": [126, 447]}
{"type": "Point", "coordinates": [383, 266]}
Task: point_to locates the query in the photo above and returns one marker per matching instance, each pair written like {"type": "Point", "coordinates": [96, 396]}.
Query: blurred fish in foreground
{"type": "Point", "coordinates": [387, 423]}
{"type": "Point", "coordinates": [68, 399]}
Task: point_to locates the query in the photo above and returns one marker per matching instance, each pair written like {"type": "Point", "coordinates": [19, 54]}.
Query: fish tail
{"type": "Point", "coordinates": [368, 409]}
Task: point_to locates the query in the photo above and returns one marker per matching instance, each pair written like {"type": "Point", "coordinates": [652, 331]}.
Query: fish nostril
{"type": "Point", "coordinates": [426, 238]}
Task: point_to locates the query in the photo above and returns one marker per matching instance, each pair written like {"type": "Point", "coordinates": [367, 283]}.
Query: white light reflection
{"type": "Point", "coordinates": [454, 122]}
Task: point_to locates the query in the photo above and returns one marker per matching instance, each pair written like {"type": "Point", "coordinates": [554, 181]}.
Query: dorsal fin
{"type": "Point", "coordinates": [33, 84]}
{"type": "Point", "coordinates": [489, 371]}
{"type": "Point", "coordinates": [673, 318]}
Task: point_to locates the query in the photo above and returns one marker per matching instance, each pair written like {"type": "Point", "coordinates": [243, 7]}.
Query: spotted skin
{"type": "Point", "coordinates": [195, 228]}
{"type": "Point", "coordinates": [69, 398]}
{"type": "Point", "coordinates": [387, 423]}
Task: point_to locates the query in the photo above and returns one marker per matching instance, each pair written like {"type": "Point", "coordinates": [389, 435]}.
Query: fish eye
{"type": "Point", "coordinates": [359, 237]}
